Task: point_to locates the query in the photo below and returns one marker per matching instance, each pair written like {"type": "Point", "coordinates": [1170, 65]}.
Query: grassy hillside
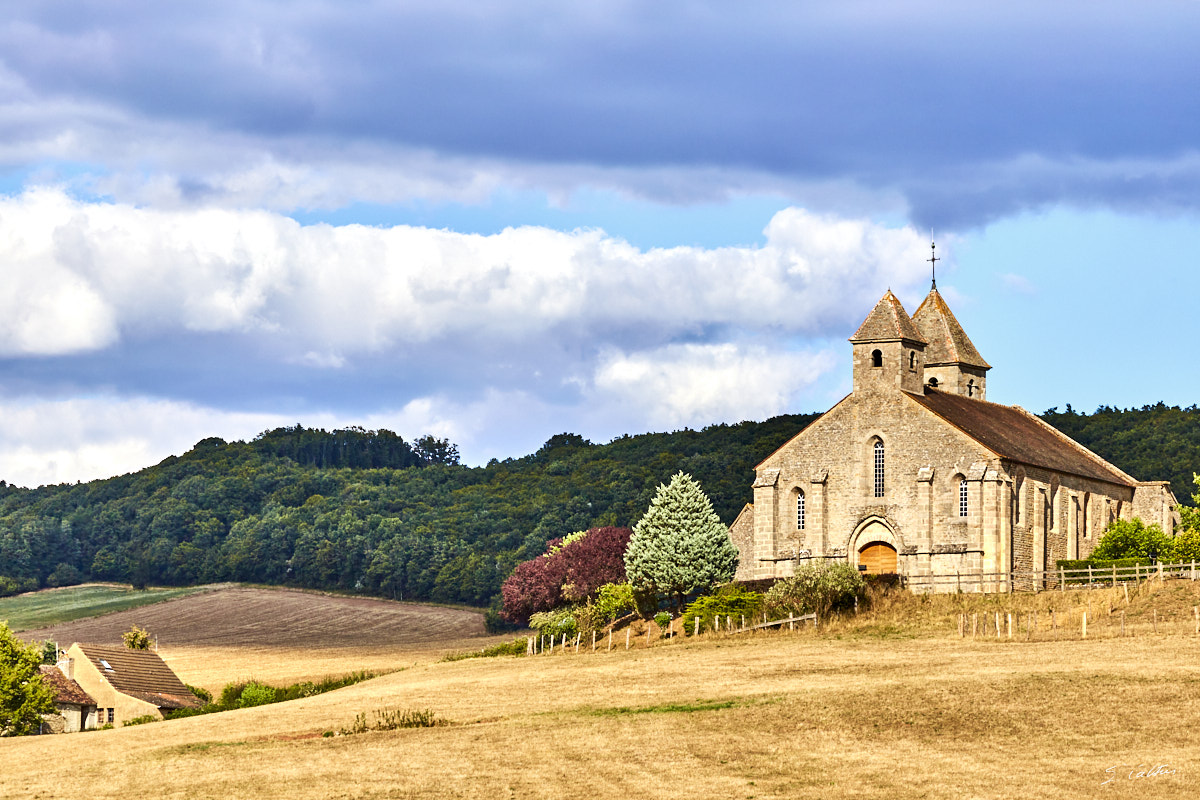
{"type": "Point", "coordinates": [57, 606]}
{"type": "Point", "coordinates": [846, 713]}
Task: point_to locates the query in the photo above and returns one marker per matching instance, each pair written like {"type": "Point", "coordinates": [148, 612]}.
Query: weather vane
{"type": "Point", "coordinates": [933, 259]}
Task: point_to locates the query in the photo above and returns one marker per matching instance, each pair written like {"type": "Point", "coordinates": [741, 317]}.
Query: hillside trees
{"type": "Point", "coordinates": [23, 695]}
{"type": "Point", "coordinates": [680, 546]}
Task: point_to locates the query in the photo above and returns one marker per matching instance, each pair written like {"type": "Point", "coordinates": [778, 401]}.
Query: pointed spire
{"type": "Point", "coordinates": [933, 259]}
{"type": "Point", "coordinates": [948, 342]}
{"type": "Point", "coordinates": [887, 322]}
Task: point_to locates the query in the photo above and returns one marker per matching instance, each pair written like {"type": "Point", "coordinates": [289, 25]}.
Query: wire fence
{"type": "Point", "coordinates": [1061, 579]}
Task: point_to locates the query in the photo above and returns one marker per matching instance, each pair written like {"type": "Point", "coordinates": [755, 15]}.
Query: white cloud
{"type": "Point", "coordinates": [84, 274]}
{"type": "Point", "coordinates": [695, 385]}
{"type": "Point", "coordinates": [1017, 283]}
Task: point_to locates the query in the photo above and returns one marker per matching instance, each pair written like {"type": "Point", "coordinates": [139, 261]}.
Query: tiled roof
{"type": "Point", "coordinates": [141, 674]}
{"type": "Point", "coordinates": [888, 321]}
{"type": "Point", "coordinates": [1017, 435]}
{"type": "Point", "coordinates": [65, 690]}
{"type": "Point", "coordinates": [948, 342]}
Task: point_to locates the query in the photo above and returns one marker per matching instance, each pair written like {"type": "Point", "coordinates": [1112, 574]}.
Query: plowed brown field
{"type": "Point", "coordinates": [280, 635]}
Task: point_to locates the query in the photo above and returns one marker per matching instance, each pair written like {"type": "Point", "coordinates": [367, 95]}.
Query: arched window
{"type": "Point", "coordinates": [963, 506]}
{"type": "Point", "coordinates": [799, 510]}
{"type": "Point", "coordinates": [876, 358]}
{"type": "Point", "coordinates": [878, 468]}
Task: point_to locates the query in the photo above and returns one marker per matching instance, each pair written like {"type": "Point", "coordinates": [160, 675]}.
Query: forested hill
{"type": "Point", "coordinates": [1151, 443]}
{"type": "Point", "coordinates": [359, 510]}
{"type": "Point", "coordinates": [366, 511]}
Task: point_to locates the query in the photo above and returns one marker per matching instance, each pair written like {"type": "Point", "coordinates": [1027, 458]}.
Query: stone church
{"type": "Point", "coordinates": [916, 473]}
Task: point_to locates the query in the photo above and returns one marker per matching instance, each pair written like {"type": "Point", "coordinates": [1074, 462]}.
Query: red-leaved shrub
{"type": "Point", "coordinates": [574, 572]}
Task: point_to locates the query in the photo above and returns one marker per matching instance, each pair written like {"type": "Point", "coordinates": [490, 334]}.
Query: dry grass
{"type": "Point", "coordinates": [836, 715]}
{"type": "Point", "coordinates": [281, 636]}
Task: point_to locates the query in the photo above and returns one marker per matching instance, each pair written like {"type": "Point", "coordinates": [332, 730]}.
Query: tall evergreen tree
{"type": "Point", "coordinates": [680, 546]}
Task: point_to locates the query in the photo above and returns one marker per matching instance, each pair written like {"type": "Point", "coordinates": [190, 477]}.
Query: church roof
{"type": "Point", "coordinates": [1013, 433]}
{"type": "Point", "coordinates": [948, 342]}
{"type": "Point", "coordinates": [887, 322]}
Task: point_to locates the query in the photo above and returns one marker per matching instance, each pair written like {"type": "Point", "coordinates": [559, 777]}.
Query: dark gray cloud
{"type": "Point", "coordinates": [937, 101]}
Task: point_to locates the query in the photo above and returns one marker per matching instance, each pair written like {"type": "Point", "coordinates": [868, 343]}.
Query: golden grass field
{"type": "Point", "coordinates": [894, 704]}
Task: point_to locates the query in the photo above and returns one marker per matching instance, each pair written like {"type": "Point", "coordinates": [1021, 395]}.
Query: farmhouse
{"type": "Point", "coordinates": [125, 683]}
{"type": "Point", "coordinates": [75, 709]}
{"type": "Point", "coordinates": [915, 472]}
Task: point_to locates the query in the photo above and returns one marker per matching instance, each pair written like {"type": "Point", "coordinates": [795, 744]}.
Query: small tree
{"type": "Point", "coordinates": [136, 638]}
{"type": "Point", "coordinates": [816, 588]}
{"type": "Point", "coordinates": [1131, 538]}
{"type": "Point", "coordinates": [24, 697]}
{"type": "Point", "coordinates": [680, 546]}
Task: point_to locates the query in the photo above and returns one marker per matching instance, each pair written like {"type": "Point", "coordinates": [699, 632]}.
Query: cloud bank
{"type": "Point", "coordinates": [423, 329]}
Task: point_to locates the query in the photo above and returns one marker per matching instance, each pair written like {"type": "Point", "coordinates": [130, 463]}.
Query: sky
{"type": "Point", "coordinates": [499, 221]}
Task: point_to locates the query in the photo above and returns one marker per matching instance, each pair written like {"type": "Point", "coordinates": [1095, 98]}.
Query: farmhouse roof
{"type": "Point", "coordinates": [887, 322]}
{"type": "Point", "coordinates": [141, 674]}
{"type": "Point", "coordinates": [65, 690]}
{"type": "Point", "coordinates": [1012, 432]}
{"type": "Point", "coordinates": [948, 342]}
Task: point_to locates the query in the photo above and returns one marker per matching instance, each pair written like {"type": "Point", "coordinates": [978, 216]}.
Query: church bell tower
{"type": "Point", "coordinates": [889, 351]}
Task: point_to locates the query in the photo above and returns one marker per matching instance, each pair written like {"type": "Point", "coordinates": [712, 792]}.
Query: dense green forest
{"type": "Point", "coordinates": [359, 510]}
{"type": "Point", "coordinates": [366, 511]}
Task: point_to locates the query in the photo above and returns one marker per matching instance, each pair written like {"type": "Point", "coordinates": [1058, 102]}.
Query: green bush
{"type": "Point", "coordinates": [1131, 538]}
{"type": "Point", "coordinates": [514, 648]}
{"type": "Point", "coordinates": [662, 619]}
{"type": "Point", "coordinates": [614, 600]}
{"type": "Point", "coordinates": [816, 588]}
{"type": "Point", "coordinates": [203, 695]}
{"type": "Point", "coordinates": [388, 720]}
{"type": "Point", "coordinates": [142, 720]}
{"type": "Point", "coordinates": [256, 694]}
{"type": "Point", "coordinates": [558, 622]}
{"type": "Point", "coordinates": [729, 601]}
{"type": "Point", "coordinates": [1186, 546]}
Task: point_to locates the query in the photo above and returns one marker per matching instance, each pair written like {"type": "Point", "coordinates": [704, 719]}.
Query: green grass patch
{"type": "Point", "coordinates": [514, 648]}
{"type": "Point", "coordinates": [667, 708]}
{"type": "Point", "coordinates": [55, 606]}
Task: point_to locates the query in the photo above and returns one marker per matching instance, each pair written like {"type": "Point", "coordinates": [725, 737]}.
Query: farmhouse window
{"type": "Point", "coordinates": [878, 469]}
{"type": "Point", "coordinates": [112, 715]}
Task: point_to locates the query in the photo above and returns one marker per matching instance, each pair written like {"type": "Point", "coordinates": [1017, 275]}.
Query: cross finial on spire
{"type": "Point", "coordinates": [933, 259]}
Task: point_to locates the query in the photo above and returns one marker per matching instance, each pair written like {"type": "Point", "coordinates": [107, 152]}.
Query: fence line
{"type": "Point", "coordinates": [1059, 578]}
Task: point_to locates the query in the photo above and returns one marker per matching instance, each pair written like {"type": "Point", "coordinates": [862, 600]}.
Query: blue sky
{"type": "Point", "coordinates": [500, 221]}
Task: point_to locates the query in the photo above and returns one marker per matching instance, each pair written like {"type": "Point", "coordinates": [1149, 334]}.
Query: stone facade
{"type": "Point", "coordinates": [916, 472]}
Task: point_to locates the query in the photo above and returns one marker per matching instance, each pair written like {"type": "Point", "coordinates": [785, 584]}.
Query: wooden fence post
{"type": "Point", "coordinates": [743, 622]}
{"type": "Point", "coordinates": [696, 626]}
{"type": "Point", "coordinates": [1085, 625]}
{"type": "Point", "coordinates": [1122, 623]}
{"type": "Point", "coordinates": [627, 632]}
{"type": "Point", "coordinates": [1062, 579]}
{"type": "Point", "coordinates": [1154, 614]}
{"type": "Point", "coordinates": [1010, 624]}
{"type": "Point", "coordinates": [593, 641]}
{"type": "Point", "coordinates": [729, 623]}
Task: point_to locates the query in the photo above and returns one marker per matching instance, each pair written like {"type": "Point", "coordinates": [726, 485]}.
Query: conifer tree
{"type": "Point", "coordinates": [680, 546]}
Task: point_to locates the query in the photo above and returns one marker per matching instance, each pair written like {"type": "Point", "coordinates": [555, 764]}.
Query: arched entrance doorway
{"type": "Point", "coordinates": [878, 558]}
{"type": "Point", "coordinates": [874, 547]}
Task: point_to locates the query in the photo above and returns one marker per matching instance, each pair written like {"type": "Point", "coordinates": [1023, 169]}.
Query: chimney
{"type": "Point", "coordinates": [67, 667]}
